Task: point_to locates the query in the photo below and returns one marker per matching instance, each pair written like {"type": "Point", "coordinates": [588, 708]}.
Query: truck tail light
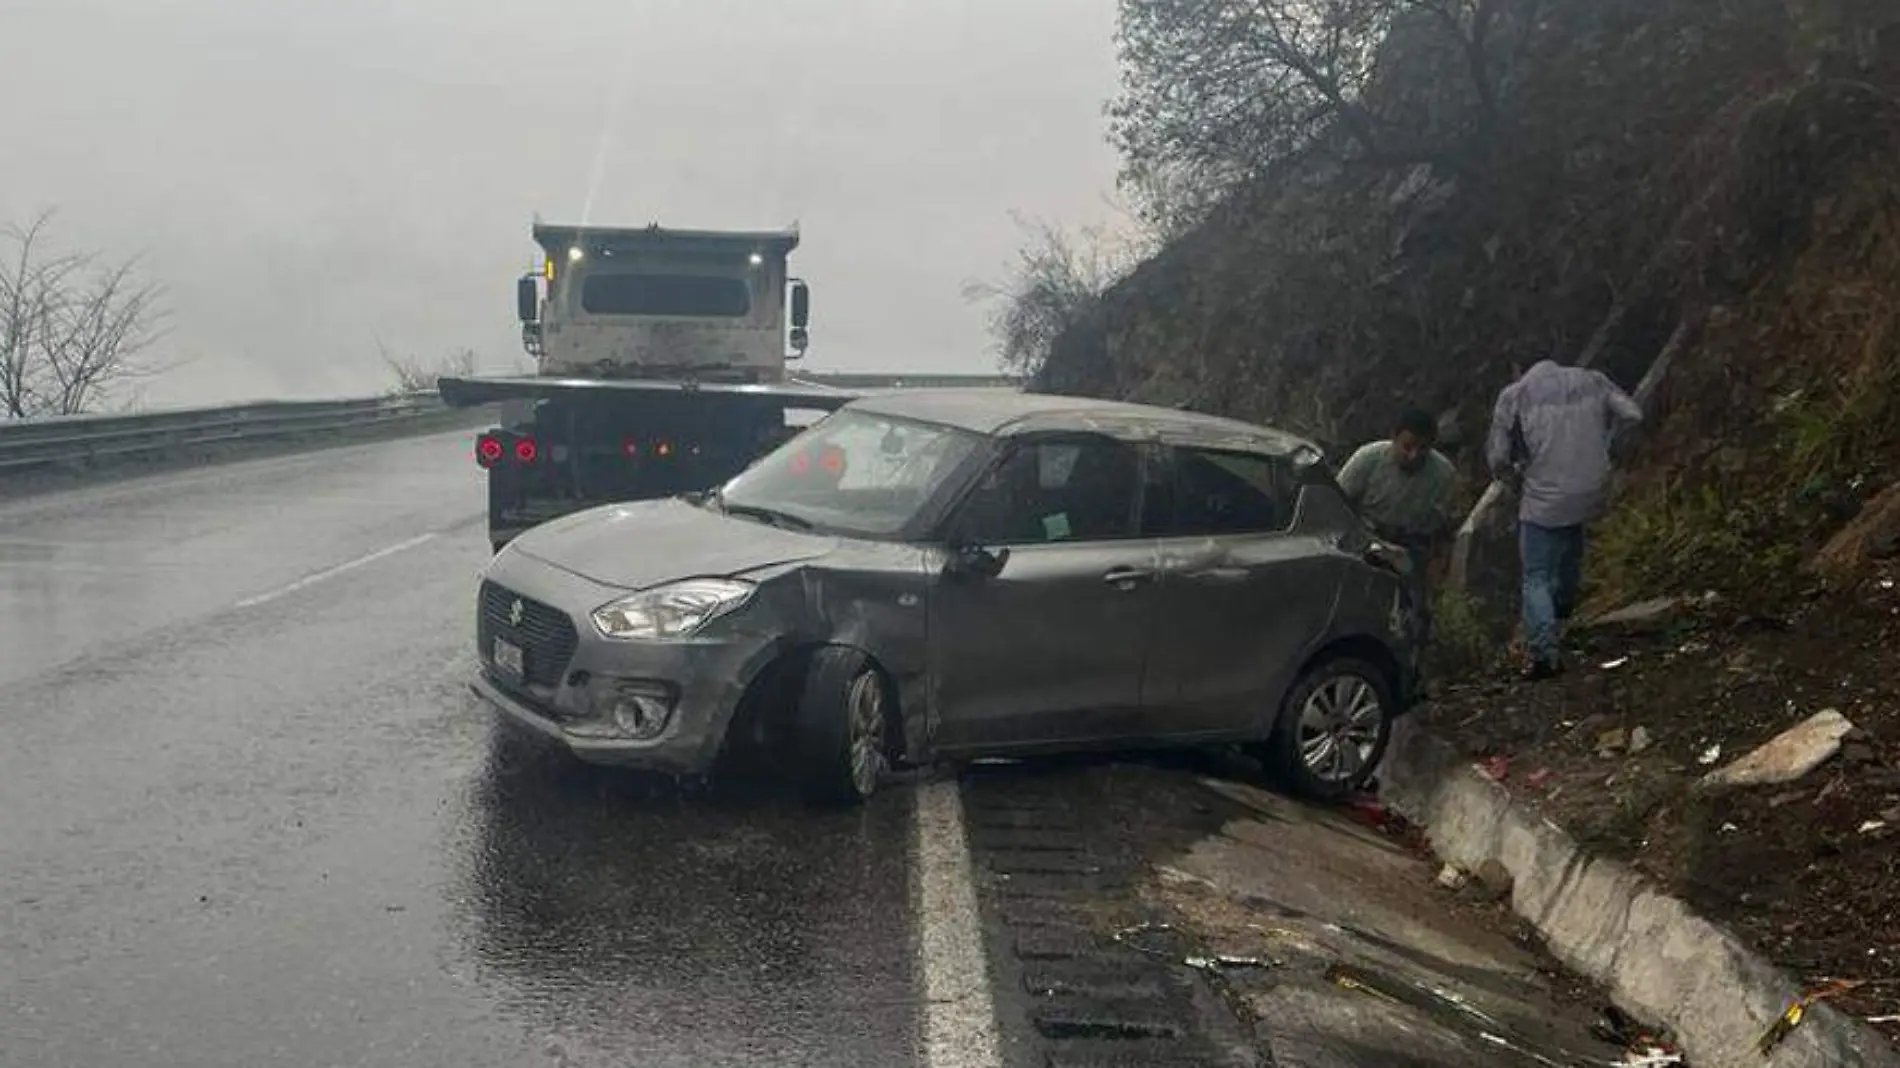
{"type": "Point", "coordinates": [630, 448]}
{"type": "Point", "coordinates": [488, 450]}
{"type": "Point", "coordinates": [663, 449]}
{"type": "Point", "coordinates": [525, 450]}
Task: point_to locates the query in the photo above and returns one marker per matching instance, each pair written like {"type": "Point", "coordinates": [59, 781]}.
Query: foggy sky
{"type": "Point", "coordinates": [310, 177]}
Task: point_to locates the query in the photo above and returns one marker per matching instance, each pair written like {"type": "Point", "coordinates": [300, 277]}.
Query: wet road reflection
{"type": "Point", "coordinates": [634, 925]}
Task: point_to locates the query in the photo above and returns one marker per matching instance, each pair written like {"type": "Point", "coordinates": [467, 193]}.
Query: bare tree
{"type": "Point", "coordinates": [1057, 281]}
{"type": "Point", "coordinates": [1214, 91]}
{"type": "Point", "coordinates": [73, 327]}
{"type": "Point", "coordinates": [416, 375]}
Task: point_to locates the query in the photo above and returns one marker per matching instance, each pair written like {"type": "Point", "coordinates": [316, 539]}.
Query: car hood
{"type": "Point", "coordinates": [639, 545]}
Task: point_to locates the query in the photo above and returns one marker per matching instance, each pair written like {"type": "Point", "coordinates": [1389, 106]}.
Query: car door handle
{"type": "Point", "coordinates": [1126, 577]}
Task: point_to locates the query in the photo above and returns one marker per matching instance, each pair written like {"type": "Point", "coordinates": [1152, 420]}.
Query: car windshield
{"type": "Point", "coordinates": [853, 472]}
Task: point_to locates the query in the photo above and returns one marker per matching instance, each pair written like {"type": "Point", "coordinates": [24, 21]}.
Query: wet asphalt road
{"type": "Point", "coordinates": [249, 814]}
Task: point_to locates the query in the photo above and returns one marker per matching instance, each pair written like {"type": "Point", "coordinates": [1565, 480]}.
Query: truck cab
{"type": "Point", "coordinates": [653, 303]}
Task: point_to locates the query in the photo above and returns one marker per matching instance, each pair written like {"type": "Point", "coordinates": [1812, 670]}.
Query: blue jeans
{"type": "Point", "coordinates": [1553, 569]}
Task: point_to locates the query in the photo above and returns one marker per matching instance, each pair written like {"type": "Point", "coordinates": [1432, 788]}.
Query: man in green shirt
{"type": "Point", "coordinates": [1402, 488]}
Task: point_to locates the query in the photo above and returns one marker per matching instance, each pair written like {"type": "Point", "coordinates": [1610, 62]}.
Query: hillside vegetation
{"type": "Point", "coordinates": [1414, 194]}
{"type": "Point", "coordinates": [1365, 205]}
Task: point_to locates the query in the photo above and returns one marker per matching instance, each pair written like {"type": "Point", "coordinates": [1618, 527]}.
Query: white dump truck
{"type": "Point", "coordinates": [661, 369]}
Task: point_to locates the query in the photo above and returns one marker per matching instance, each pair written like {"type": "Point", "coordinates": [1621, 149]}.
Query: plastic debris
{"type": "Point", "coordinates": [1797, 1010]}
{"type": "Point", "coordinates": [1612, 665]}
{"type": "Point", "coordinates": [1497, 768]}
{"type": "Point", "coordinates": [1651, 1057]}
{"type": "Point", "coordinates": [1871, 826]}
{"type": "Point", "coordinates": [1883, 1019]}
{"type": "Point", "coordinates": [1710, 755]}
{"type": "Point", "coordinates": [1451, 878]}
{"type": "Point", "coordinates": [1223, 962]}
{"type": "Point", "coordinates": [1538, 779]}
{"type": "Point", "coordinates": [1640, 739]}
{"type": "Point", "coordinates": [1729, 828]}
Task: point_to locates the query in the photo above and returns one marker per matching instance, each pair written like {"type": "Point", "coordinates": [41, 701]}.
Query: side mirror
{"type": "Point", "coordinates": [976, 562]}
{"type": "Point", "coordinates": [527, 299]}
{"type": "Point", "coordinates": [801, 308]}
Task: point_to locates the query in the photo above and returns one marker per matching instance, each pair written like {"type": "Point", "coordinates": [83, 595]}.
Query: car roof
{"type": "Point", "coordinates": [1006, 413]}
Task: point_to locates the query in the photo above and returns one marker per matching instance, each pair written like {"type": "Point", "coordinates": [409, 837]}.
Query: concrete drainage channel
{"type": "Point", "coordinates": [1054, 889]}
{"type": "Point", "coordinates": [1655, 955]}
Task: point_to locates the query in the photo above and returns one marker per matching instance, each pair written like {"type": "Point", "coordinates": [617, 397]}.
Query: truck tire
{"type": "Point", "coordinates": [843, 727]}
{"type": "Point", "coordinates": [1332, 729]}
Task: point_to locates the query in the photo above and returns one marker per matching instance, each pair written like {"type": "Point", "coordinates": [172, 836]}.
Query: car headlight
{"type": "Point", "coordinates": [677, 610]}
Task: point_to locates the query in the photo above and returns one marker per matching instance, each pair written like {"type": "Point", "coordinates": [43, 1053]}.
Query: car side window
{"type": "Point", "coordinates": [1220, 493]}
{"type": "Point", "coordinates": [1054, 491]}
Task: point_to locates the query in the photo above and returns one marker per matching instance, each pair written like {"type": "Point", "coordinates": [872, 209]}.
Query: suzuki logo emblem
{"type": "Point", "coordinates": [515, 612]}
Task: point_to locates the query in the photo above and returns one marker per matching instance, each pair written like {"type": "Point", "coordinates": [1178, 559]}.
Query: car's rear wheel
{"type": "Point", "coordinates": [843, 727]}
{"type": "Point", "coordinates": [1333, 729]}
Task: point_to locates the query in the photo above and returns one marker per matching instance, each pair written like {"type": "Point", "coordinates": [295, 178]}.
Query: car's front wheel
{"type": "Point", "coordinates": [1332, 729]}
{"type": "Point", "coordinates": [843, 727]}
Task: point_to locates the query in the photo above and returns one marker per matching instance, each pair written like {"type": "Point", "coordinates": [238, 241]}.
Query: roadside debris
{"type": "Point", "coordinates": [1612, 665]}
{"type": "Point", "coordinates": [1710, 755]}
{"type": "Point", "coordinates": [1217, 962]}
{"type": "Point", "coordinates": [1640, 739]}
{"type": "Point", "coordinates": [1497, 768]}
{"type": "Point", "coordinates": [1452, 878]}
{"type": "Point", "coordinates": [1788, 756]}
{"type": "Point", "coordinates": [1639, 615]}
{"type": "Point", "coordinates": [1495, 879]}
{"type": "Point", "coordinates": [1641, 1049]}
{"type": "Point", "coordinates": [1224, 962]}
{"type": "Point", "coordinates": [1797, 1011]}
{"type": "Point", "coordinates": [1612, 741]}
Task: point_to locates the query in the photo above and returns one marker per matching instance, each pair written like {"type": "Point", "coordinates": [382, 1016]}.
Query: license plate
{"type": "Point", "coordinates": [508, 659]}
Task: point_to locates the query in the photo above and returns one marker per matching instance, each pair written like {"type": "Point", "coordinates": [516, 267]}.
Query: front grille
{"type": "Point", "coordinates": [545, 634]}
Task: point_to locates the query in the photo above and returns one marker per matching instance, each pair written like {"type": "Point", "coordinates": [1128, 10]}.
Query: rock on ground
{"type": "Point", "coordinates": [1873, 535]}
{"type": "Point", "coordinates": [1788, 756]}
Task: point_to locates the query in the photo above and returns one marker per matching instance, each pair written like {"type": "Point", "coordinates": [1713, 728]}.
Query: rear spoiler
{"type": "Point", "coordinates": [469, 392]}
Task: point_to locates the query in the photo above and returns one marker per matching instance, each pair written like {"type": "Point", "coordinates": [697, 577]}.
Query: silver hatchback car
{"type": "Point", "coordinates": [948, 574]}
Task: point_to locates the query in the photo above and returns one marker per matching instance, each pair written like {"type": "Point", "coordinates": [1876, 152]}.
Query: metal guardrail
{"type": "Point", "coordinates": [86, 439]}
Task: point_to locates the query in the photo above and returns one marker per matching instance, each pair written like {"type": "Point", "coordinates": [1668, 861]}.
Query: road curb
{"type": "Point", "coordinates": [1659, 960]}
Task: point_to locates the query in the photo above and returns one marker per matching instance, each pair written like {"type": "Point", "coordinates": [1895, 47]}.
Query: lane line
{"type": "Point", "coordinates": [959, 1016]}
{"type": "Point", "coordinates": [330, 573]}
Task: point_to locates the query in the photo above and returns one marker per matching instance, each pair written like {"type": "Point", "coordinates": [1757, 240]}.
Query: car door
{"type": "Point", "coordinates": [1242, 594]}
{"type": "Point", "coordinates": [1049, 651]}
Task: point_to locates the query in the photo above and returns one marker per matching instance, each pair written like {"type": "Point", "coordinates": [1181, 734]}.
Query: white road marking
{"type": "Point", "coordinates": [330, 573]}
{"type": "Point", "coordinates": [959, 1017]}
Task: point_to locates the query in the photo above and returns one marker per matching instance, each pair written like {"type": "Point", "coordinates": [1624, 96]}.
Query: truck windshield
{"type": "Point", "coordinates": [699, 296]}
{"type": "Point", "coordinates": [854, 473]}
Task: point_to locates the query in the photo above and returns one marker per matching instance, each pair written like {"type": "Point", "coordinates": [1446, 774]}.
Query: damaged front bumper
{"type": "Point", "coordinates": [656, 706]}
